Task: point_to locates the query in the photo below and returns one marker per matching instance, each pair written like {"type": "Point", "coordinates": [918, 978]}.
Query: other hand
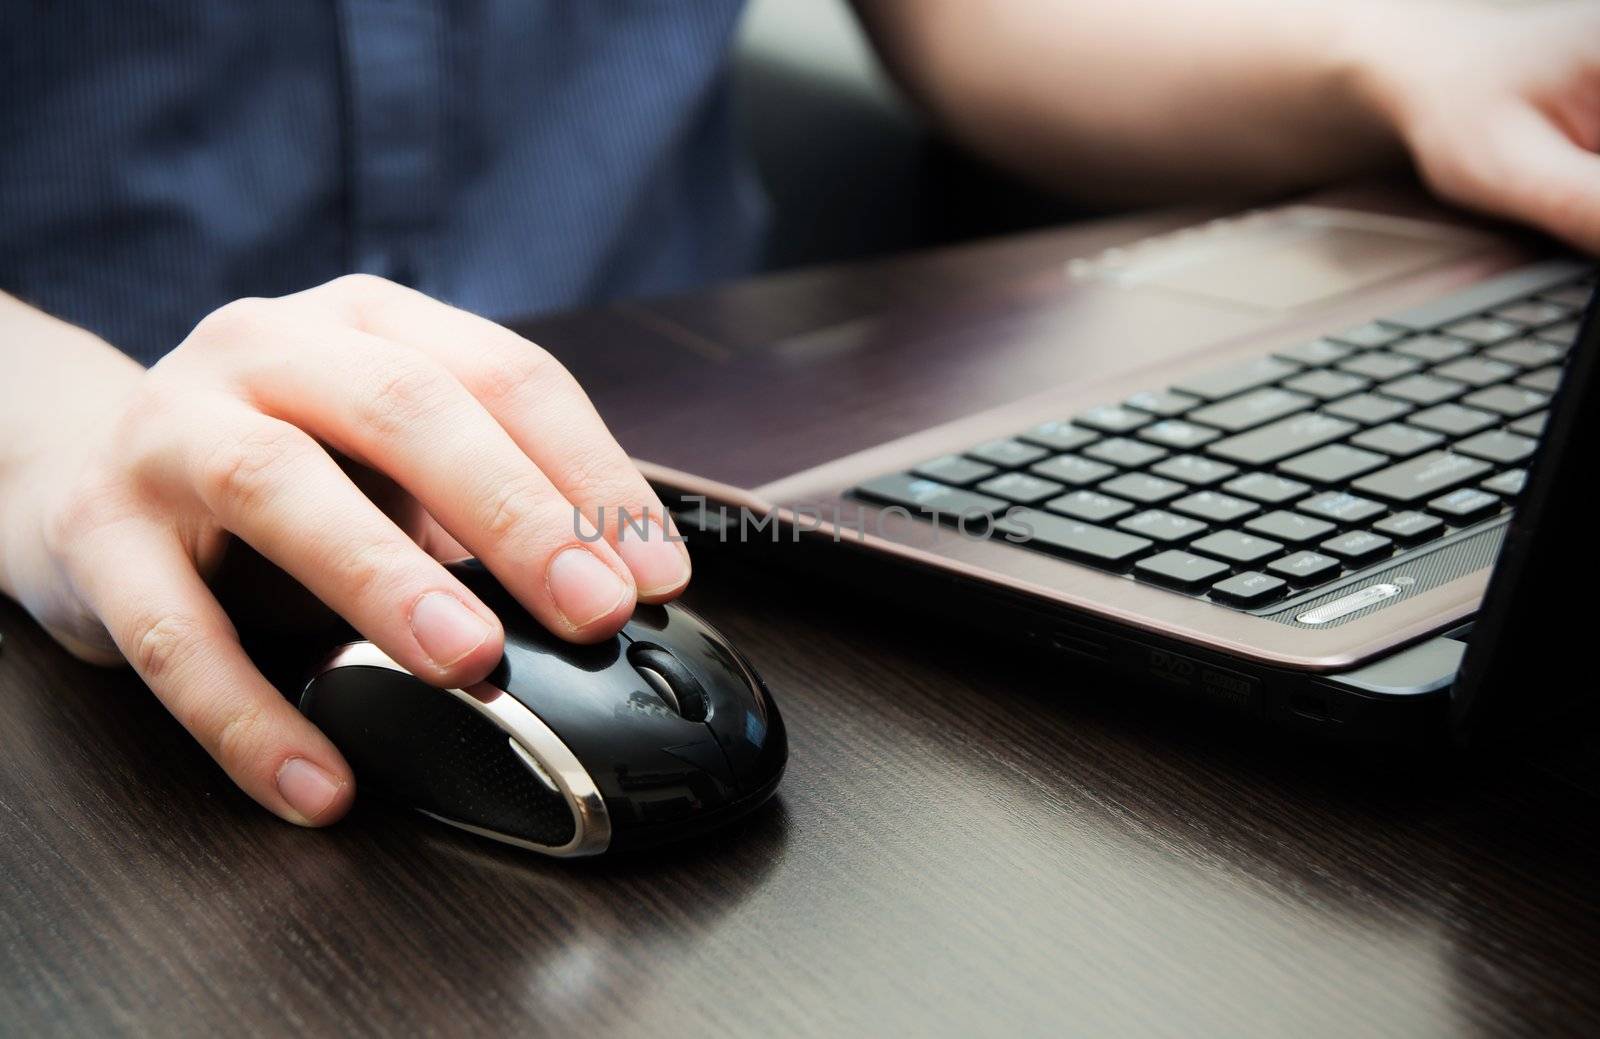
{"type": "Point", "coordinates": [1500, 109]}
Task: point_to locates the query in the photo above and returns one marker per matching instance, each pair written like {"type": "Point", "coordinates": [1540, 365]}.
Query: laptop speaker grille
{"type": "Point", "coordinates": [1417, 571]}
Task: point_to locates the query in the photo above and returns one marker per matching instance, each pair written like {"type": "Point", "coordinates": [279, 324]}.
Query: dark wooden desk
{"type": "Point", "coordinates": [968, 841]}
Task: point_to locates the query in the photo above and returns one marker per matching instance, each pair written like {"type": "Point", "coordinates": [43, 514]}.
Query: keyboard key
{"type": "Point", "coordinates": [1281, 439]}
{"type": "Point", "coordinates": [1164, 403]}
{"type": "Point", "coordinates": [1111, 418]}
{"type": "Point", "coordinates": [1372, 334]}
{"type": "Point", "coordinates": [1290, 528]}
{"type": "Point", "coordinates": [1214, 507]}
{"type": "Point", "coordinates": [1488, 294]}
{"type": "Point", "coordinates": [1476, 371]}
{"type": "Point", "coordinates": [1178, 434]}
{"type": "Point", "coordinates": [1237, 378]}
{"type": "Point", "coordinates": [1084, 542]}
{"type": "Point", "coordinates": [1534, 313]}
{"type": "Point", "coordinates": [1422, 477]}
{"type": "Point", "coordinates": [1497, 445]}
{"type": "Point", "coordinates": [1089, 506]}
{"type": "Point", "coordinates": [1510, 401]}
{"type": "Point", "coordinates": [1397, 440]}
{"type": "Point", "coordinates": [1341, 507]}
{"type": "Point", "coordinates": [1422, 390]}
{"type": "Point", "coordinates": [1358, 548]}
{"type": "Point", "coordinates": [1252, 409]}
{"type": "Point", "coordinates": [1129, 454]}
{"type": "Point", "coordinates": [1465, 505]}
{"type": "Point", "coordinates": [1453, 420]}
{"type": "Point", "coordinates": [1526, 353]}
{"type": "Point", "coordinates": [954, 470]}
{"type": "Point", "coordinates": [1306, 568]}
{"type": "Point", "coordinates": [1267, 488]}
{"type": "Point", "coordinates": [1194, 470]}
{"type": "Point", "coordinates": [1433, 349]}
{"type": "Point", "coordinates": [1335, 463]}
{"type": "Point", "coordinates": [1072, 470]}
{"type": "Point", "coordinates": [1007, 454]}
{"type": "Point", "coordinates": [1059, 436]}
{"type": "Point", "coordinates": [1179, 569]}
{"type": "Point", "coordinates": [1380, 365]}
{"type": "Point", "coordinates": [1368, 409]}
{"type": "Point", "coordinates": [1164, 527]}
{"type": "Point", "coordinates": [1574, 296]}
{"type": "Point", "coordinates": [1545, 380]}
{"type": "Point", "coordinates": [1326, 384]}
{"type": "Point", "coordinates": [1250, 588]}
{"type": "Point", "coordinates": [929, 500]}
{"type": "Point", "coordinates": [1483, 330]}
{"type": "Point", "coordinates": [1314, 354]}
{"type": "Point", "coordinates": [1020, 487]}
{"type": "Point", "coordinates": [1562, 335]}
{"type": "Point", "coordinates": [1142, 487]}
{"type": "Point", "coordinates": [1235, 547]}
{"type": "Point", "coordinates": [1508, 484]}
{"type": "Point", "coordinates": [1410, 528]}
{"type": "Point", "coordinates": [1531, 425]}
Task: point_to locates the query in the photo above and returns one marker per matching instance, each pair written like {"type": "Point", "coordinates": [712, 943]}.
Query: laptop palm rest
{"type": "Point", "coordinates": [747, 415]}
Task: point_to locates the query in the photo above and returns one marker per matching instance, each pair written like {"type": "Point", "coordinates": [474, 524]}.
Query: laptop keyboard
{"type": "Point", "coordinates": [1271, 477]}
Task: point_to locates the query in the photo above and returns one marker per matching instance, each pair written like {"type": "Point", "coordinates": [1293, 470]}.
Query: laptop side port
{"type": "Point", "coordinates": [1309, 705]}
{"type": "Point", "coordinates": [1074, 644]}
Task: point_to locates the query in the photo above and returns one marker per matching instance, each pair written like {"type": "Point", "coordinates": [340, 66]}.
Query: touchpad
{"type": "Point", "coordinates": [1289, 258]}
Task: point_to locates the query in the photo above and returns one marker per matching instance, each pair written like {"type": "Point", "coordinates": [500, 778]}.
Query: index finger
{"type": "Point", "coordinates": [549, 416]}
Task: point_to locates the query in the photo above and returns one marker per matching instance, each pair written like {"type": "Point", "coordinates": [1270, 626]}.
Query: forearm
{"type": "Point", "coordinates": [1134, 102]}
{"type": "Point", "coordinates": [58, 380]}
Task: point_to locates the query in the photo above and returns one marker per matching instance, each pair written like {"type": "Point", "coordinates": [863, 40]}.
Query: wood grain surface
{"type": "Point", "coordinates": [969, 840]}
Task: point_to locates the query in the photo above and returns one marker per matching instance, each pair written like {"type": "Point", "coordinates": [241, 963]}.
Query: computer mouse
{"type": "Point", "coordinates": [662, 732]}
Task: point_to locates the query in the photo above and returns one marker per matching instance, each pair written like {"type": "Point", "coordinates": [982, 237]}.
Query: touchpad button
{"type": "Point", "coordinates": [1291, 259]}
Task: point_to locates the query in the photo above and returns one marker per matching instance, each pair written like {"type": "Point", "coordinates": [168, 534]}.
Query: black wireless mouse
{"type": "Point", "coordinates": [660, 733]}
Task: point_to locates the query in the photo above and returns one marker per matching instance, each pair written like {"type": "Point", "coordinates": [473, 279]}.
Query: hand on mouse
{"type": "Point", "coordinates": [112, 528]}
{"type": "Point", "coordinates": [1499, 109]}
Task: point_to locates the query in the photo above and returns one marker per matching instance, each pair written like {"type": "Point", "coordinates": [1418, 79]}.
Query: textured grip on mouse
{"type": "Point", "coordinates": [422, 747]}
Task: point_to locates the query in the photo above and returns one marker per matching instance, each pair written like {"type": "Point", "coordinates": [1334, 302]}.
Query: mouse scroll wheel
{"type": "Point", "coordinates": [674, 683]}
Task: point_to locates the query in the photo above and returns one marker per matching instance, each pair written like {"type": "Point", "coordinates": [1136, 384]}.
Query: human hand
{"type": "Point", "coordinates": [234, 434]}
{"type": "Point", "coordinates": [1500, 109]}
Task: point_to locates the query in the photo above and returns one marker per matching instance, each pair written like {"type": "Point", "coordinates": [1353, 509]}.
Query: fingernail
{"type": "Point", "coordinates": [445, 629]}
{"type": "Point", "coordinates": [308, 789]}
{"type": "Point", "coordinates": [658, 565]}
{"type": "Point", "coordinates": [584, 589]}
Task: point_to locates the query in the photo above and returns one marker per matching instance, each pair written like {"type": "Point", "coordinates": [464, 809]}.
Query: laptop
{"type": "Point", "coordinates": [1268, 463]}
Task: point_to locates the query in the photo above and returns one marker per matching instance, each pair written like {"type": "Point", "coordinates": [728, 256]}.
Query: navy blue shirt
{"type": "Point", "coordinates": [159, 158]}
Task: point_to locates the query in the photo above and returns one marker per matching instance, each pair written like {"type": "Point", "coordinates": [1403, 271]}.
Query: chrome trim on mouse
{"type": "Point", "coordinates": [535, 744]}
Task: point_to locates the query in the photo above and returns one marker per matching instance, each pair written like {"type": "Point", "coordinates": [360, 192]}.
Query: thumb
{"type": "Point", "coordinates": [1541, 176]}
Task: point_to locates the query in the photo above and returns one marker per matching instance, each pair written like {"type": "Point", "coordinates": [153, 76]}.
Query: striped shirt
{"type": "Point", "coordinates": [159, 158]}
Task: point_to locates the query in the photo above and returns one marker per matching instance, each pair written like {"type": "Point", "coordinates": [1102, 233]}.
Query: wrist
{"type": "Point", "coordinates": [1376, 48]}
{"type": "Point", "coordinates": [1359, 47]}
